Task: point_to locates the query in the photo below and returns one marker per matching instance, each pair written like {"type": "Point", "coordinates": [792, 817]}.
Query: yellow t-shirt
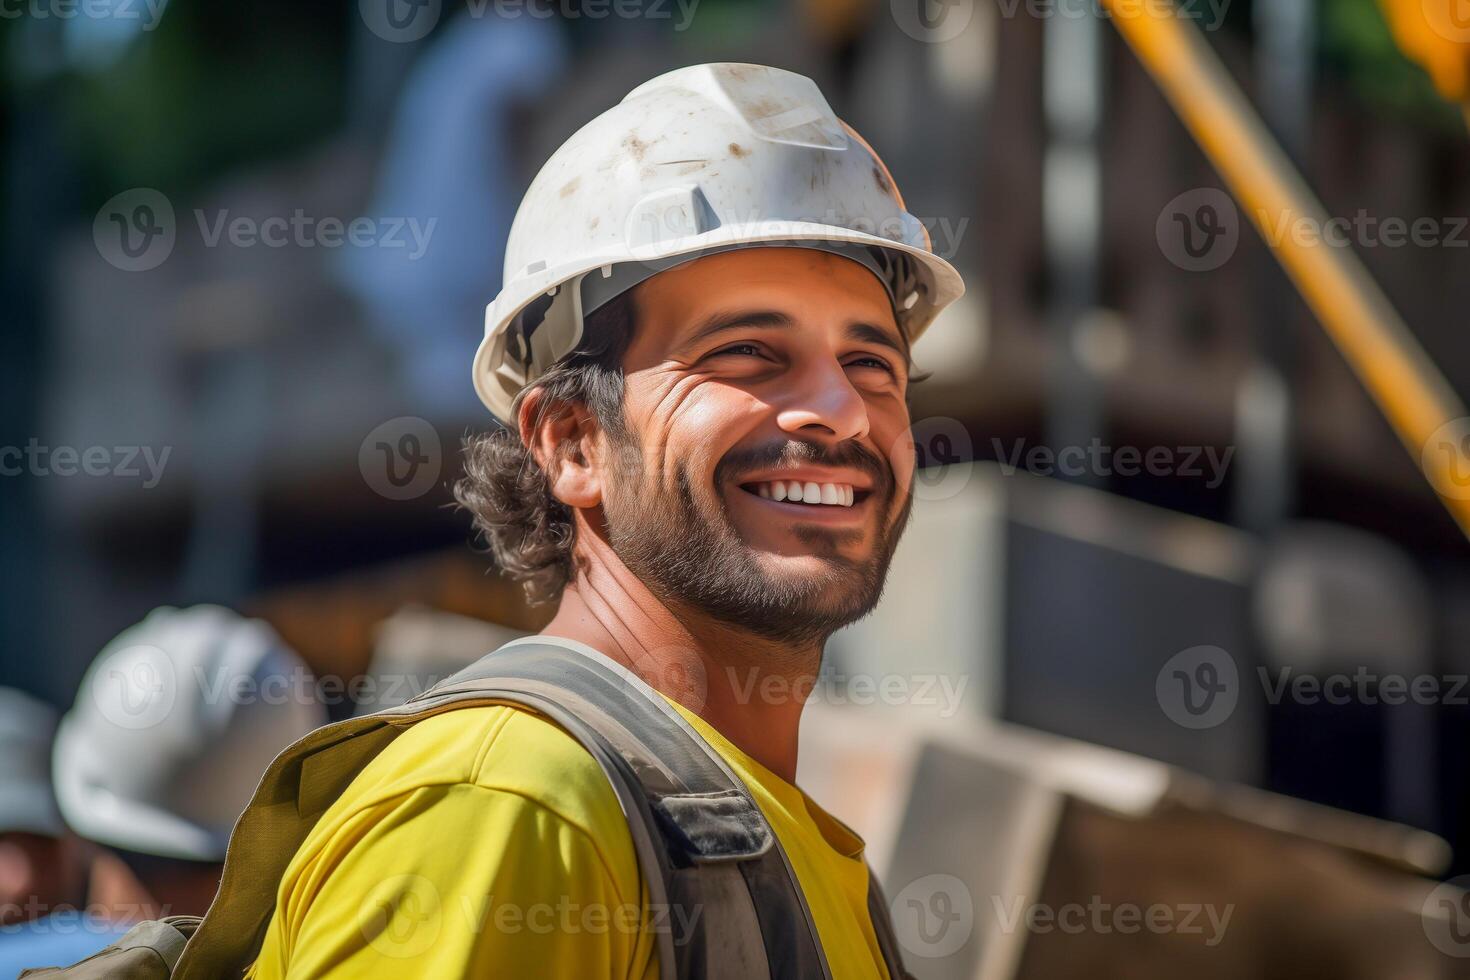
{"type": "Point", "coordinates": [486, 842]}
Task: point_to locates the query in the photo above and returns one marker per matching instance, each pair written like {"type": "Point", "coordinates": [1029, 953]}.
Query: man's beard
{"type": "Point", "coordinates": [692, 558]}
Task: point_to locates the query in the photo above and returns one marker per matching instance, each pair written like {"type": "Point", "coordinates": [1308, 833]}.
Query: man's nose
{"type": "Point", "coordinates": [820, 397]}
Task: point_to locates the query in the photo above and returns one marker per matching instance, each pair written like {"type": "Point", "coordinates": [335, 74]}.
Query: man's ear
{"type": "Point", "coordinates": [563, 439]}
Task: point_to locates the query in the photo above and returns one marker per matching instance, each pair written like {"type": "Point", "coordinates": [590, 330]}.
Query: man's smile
{"type": "Point", "coordinates": [829, 496]}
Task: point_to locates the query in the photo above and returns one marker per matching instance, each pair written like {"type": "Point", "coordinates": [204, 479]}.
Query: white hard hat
{"type": "Point", "coordinates": [26, 802]}
{"type": "Point", "coordinates": [175, 723]}
{"type": "Point", "coordinates": [695, 161]}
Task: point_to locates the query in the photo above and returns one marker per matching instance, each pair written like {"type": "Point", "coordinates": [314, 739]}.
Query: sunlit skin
{"type": "Point", "coordinates": [737, 350]}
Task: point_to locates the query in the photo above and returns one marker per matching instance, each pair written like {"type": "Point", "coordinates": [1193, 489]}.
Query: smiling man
{"type": "Point", "coordinates": [701, 354]}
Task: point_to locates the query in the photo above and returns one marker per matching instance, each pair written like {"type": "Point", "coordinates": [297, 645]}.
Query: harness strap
{"type": "Point", "coordinates": [883, 926]}
{"type": "Point", "coordinates": [679, 789]}
{"type": "Point", "coordinates": [725, 900]}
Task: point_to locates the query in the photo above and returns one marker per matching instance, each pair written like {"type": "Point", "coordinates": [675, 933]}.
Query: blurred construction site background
{"type": "Point", "coordinates": [247, 250]}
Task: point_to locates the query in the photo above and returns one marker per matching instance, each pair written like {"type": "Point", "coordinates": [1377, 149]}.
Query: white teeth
{"type": "Point", "coordinates": [829, 494]}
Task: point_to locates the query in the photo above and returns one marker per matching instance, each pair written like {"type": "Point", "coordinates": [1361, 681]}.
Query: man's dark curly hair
{"type": "Point", "coordinates": [528, 531]}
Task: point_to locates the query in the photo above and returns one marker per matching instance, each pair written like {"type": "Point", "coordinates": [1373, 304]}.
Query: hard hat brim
{"type": "Point", "coordinates": [943, 285]}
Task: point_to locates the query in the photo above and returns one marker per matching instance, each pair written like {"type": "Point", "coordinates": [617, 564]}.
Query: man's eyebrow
{"type": "Point", "coordinates": [735, 319]}
{"type": "Point", "coordinates": [772, 319]}
{"type": "Point", "coordinates": [873, 334]}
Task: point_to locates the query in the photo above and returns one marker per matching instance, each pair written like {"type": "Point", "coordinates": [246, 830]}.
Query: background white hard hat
{"type": "Point", "coordinates": [26, 800]}
{"type": "Point", "coordinates": [697, 160]}
{"type": "Point", "coordinates": [174, 724]}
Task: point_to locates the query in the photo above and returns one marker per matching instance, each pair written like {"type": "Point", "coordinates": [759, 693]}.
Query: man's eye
{"type": "Point", "coordinates": [748, 349]}
{"type": "Point", "coordinates": [876, 362]}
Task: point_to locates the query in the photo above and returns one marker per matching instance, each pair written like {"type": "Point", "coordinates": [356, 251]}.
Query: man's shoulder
{"type": "Point", "coordinates": [500, 748]}
{"type": "Point", "coordinates": [469, 806]}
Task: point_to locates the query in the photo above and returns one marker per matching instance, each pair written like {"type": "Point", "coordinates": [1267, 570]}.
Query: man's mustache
{"type": "Point", "coordinates": [796, 452]}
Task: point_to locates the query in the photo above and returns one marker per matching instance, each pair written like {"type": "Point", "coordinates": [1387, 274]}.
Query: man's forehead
{"type": "Point", "coordinates": [769, 287]}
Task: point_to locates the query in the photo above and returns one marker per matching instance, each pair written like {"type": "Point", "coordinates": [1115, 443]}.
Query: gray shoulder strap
{"type": "Point", "coordinates": [724, 896]}
{"type": "Point", "coordinates": [883, 927]}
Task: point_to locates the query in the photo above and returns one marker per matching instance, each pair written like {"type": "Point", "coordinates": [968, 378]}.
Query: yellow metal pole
{"type": "Point", "coordinates": [1409, 389]}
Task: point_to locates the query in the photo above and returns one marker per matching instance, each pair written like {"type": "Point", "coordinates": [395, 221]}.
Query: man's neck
{"type": "Point", "coordinates": [751, 689]}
